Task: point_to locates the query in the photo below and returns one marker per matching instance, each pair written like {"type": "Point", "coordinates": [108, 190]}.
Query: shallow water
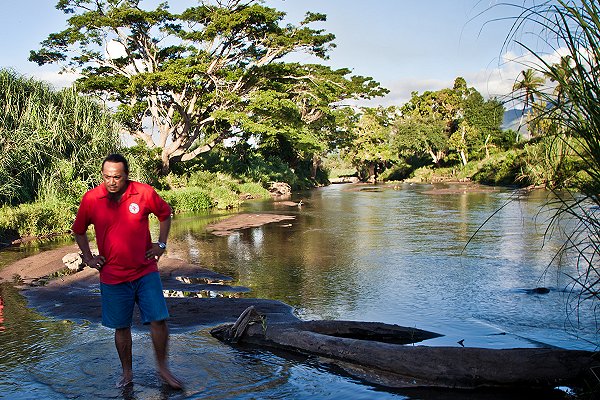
{"type": "Point", "coordinates": [395, 256]}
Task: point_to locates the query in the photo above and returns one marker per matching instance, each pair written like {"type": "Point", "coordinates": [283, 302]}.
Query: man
{"type": "Point", "coordinates": [119, 209]}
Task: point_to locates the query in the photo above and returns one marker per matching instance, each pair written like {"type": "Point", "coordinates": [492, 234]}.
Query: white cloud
{"type": "Point", "coordinates": [57, 79]}
{"type": "Point", "coordinates": [490, 82]}
{"type": "Point", "coordinates": [114, 50]}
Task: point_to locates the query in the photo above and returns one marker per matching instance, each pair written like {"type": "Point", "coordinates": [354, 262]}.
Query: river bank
{"type": "Point", "coordinates": [59, 293]}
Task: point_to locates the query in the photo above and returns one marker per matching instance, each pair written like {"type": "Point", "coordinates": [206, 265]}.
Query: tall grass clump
{"type": "Point", "coordinates": [570, 30]}
{"type": "Point", "coordinates": [51, 142]}
{"type": "Point", "coordinates": [51, 146]}
{"type": "Point", "coordinates": [191, 199]}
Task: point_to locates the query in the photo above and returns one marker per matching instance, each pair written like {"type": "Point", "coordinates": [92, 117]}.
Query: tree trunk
{"type": "Point", "coordinates": [386, 354]}
{"type": "Point", "coordinates": [463, 157]}
{"type": "Point", "coordinates": [434, 157]}
{"type": "Point", "coordinates": [316, 163]}
{"type": "Point", "coordinates": [372, 168]}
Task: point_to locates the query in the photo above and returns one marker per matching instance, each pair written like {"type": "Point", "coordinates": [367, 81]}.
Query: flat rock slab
{"type": "Point", "coordinates": [81, 302]}
{"type": "Point", "coordinates": [76, 296]}
{"type": "Point", "coordinates": [36, 266]}
{"type": "Point", "coordinates": [229, 225]}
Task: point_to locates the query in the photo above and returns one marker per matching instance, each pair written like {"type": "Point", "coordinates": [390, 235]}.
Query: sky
{"type": "Point", "coordinates": [405, 45]}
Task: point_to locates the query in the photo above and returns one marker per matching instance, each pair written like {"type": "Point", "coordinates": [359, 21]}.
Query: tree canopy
{"type": "Point", "coordinates": [186, 82]}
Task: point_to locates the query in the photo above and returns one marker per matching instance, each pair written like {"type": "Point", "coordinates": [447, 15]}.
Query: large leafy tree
{"type": "Point", "coordinates": [370, 150]}
{"type": "Point", "coordinates": [456, 118]}
{"type": "Point", "coordinates": [185, 82]}
{"type": "Point", "coordinates": [418, 136]}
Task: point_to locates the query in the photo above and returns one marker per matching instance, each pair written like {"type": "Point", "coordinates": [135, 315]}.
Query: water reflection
{"type": "Point", "coordinates": [394, 256]}
{"type": "Point", "coordinates": [399, 256]}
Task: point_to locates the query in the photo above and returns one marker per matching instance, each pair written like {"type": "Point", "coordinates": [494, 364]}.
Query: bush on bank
{"type": "Point", "coordinates": [55, 214]}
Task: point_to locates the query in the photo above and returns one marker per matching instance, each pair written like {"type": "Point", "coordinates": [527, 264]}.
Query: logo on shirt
{"type": "Point", "coordinates": [134, 208]}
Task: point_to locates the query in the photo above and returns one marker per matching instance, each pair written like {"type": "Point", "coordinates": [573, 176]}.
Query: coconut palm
{"type": "Point", "coordinates": [528, 86]}
{"type": "Point", "coordinates": [560, 73]}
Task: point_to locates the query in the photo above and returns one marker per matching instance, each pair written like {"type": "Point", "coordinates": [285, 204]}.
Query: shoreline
{"type": "Point", "coordinates": [44, 280]}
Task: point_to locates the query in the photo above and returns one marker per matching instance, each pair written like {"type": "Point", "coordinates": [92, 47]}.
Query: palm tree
{"type": "Point", "coordinates": [528, 85]}
{"type": "Point", "coordinates": [561, 74]}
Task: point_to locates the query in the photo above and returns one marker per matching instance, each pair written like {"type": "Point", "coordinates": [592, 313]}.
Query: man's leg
{"type": "Point", "coordinates": [117, 308]}
{"type": "Point", "coordinates": [153, 310]}
{"type": "Point", "coordinates": [123, 344]}
{"type": "Point", "coordinates": [160, 339]}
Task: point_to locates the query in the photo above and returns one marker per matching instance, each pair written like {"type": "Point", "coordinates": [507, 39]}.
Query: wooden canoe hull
{"type": "Point", "coordinates": [402, 365]}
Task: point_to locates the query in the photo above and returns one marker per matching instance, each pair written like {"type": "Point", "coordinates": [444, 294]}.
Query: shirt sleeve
{"type": "Point", "coordinates": [161, 208]}
{"type": "Point", "coordinates": [82, 220]}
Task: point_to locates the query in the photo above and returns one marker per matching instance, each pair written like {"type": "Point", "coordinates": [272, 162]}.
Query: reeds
{"type": "Point", "coordinates": [50, 141]}
{"type": "Point", "coordinates": [571, 29]}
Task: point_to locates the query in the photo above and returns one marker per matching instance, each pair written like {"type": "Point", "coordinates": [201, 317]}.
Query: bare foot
{"type": "Point", "coordinates": [168, 378]}
{"type": "Point", "coordinates": [125, 381]}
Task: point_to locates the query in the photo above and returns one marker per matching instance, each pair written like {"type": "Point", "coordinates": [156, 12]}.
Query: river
{"type": "Point", "coordinates": [390, 254]}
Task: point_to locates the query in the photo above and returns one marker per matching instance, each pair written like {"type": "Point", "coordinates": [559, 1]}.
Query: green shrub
{"type": "Point", "coordinates": [423, 174]}
{"type": "Point", "coordinates": [256, 190]}
{"type": "Point", "coordinates": [397, 172]}
{"type": "Point", "coordinates": [202, 178]}
{"type": "Point", "coordinates": [224, 198]}
{"type": "Point", "coordinates": [190, 199]}
{"type": "Point", "coordinates": [38, 219]}
{"type": "Point", "coordinates": [503, 169]}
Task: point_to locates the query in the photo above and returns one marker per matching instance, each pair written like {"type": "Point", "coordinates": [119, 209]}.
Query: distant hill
{"type": "Point", "coordinates": [512, 118]}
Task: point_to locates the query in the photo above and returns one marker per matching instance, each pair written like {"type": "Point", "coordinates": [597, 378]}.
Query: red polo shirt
{"type": "Point", "coordinates": [122, 232]}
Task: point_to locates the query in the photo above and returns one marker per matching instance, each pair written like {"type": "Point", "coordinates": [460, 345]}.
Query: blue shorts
{"type": "Point", "coordinates": [118, 301]}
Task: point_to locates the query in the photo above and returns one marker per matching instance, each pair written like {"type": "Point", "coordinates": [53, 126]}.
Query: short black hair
{"type": "Point", "coordinates": [116, 158]}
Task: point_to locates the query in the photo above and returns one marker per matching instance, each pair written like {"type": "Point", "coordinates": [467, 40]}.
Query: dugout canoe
{"type": "Point", "coordinates": [394, 356]}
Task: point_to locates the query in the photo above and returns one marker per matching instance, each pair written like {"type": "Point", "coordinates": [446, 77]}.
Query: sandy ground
{"type": "Point", "coordinates": [210, 299]}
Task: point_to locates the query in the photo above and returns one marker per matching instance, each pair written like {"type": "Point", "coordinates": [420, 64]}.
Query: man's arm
{"type": "Point", "coordinates": [164, 228]}
{"type": "Point", "coordinates": [157, 251]}
{"type": "Point", "coordinates": [86, 253]}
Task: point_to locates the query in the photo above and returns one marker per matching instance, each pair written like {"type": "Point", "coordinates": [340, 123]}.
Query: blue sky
{"type": "Point", "coordinates": [404, 45]}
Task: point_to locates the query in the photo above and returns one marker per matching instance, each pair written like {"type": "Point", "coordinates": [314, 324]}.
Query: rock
{"type": "Point", "coordinates": [541, 290]}
{"type": "Point", "coordinates": [538, 290]}
{"type": "Point", "coordinates": [345, 179]}
{"type": "Point", "coordinates": [73, 261]}
{"type": "Point", "coordinates": [280, 189]}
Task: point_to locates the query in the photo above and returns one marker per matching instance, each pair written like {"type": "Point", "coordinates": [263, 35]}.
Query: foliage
{"type": "Point", "coordinates": [457, 118]}
{"type": "Point", "coordinates": [503, 169]}
{"type": "Point", "coordinates": [397, 172]}
{"type": "Point", "coordinates": [528, 85]}
{"type": "Point", "coordinates": [38, 219]}
{"type": "Point", "coordinates": [336, 166]}
{"type": "Point", "coordinates": [203, 190]}
{"type": "Point", "coordinates": [144, 164]}
{"type": "Point", "coordinates": [249, 166]}
{"type": "Point", "coordinates": [417, 136]}
{"type": "Point", "coordinates": [191, 199]}
{"type": "Point", "coordinates": [423, 174]}
{"type": "Point", "coordinates": [50, 142]}
{"type": "Point", "coordinates": [253, 189]}
{"type": "Point", "coordinates": [211, 73]}
{"type": "Point", "coordinates": [370, 150]}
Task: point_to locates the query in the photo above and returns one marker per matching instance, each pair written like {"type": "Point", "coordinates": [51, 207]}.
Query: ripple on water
{"type": "Point", "coordinates": [87, 366]}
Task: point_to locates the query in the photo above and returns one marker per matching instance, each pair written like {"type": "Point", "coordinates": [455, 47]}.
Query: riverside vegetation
{"type": "Point", "coordinates": [213, 124]}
